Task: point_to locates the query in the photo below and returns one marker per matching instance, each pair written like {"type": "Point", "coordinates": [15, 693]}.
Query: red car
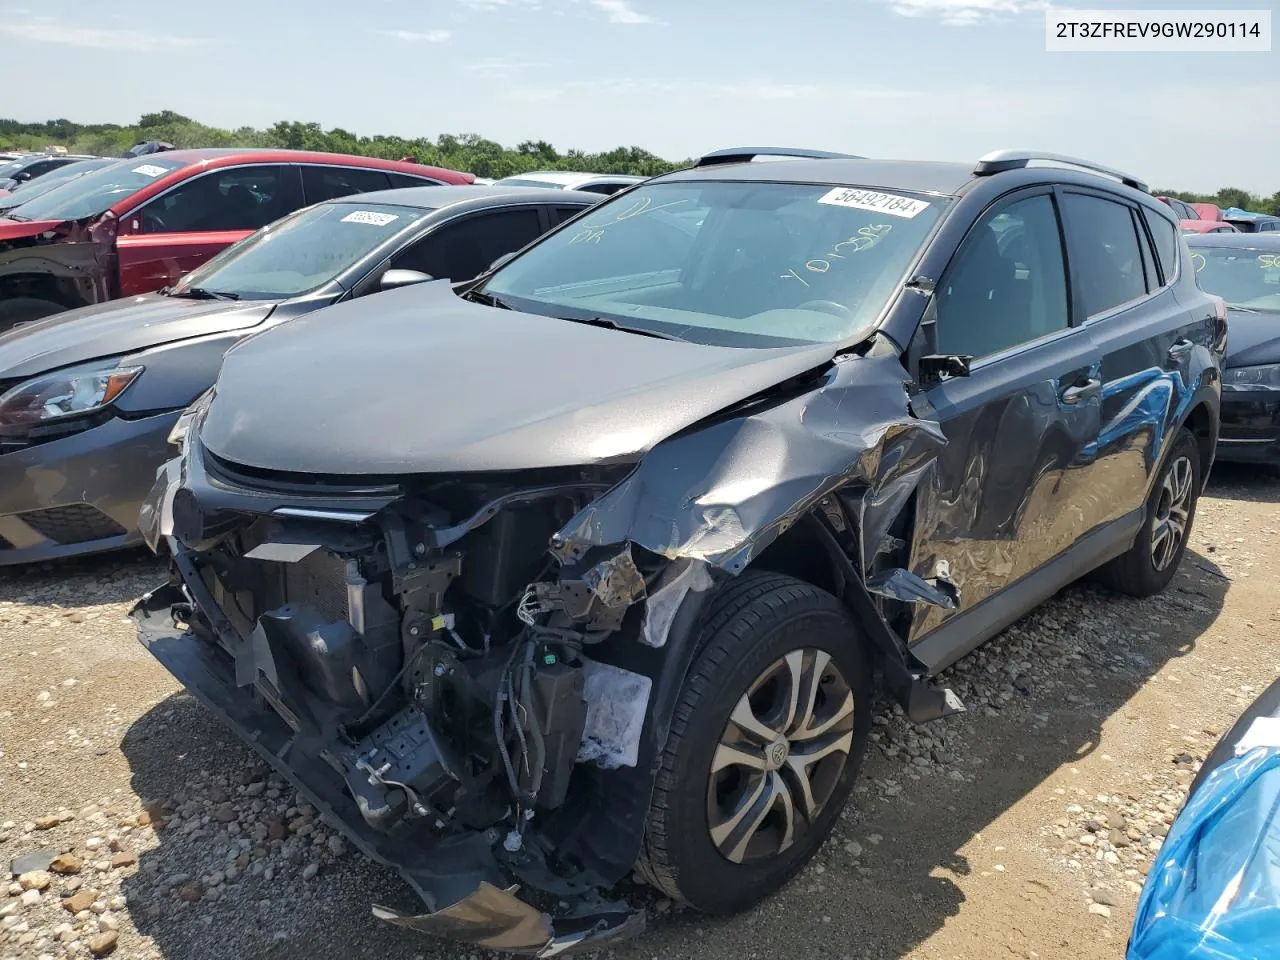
{"type": "Point", "coordinates": [1207, 226]}
{"type": "Point", "coordinates": [140, 224]}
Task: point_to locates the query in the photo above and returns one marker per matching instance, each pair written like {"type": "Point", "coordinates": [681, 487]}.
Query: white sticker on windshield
{"type": "Point", "coordinates": [150, 170]}
{"type": "Point", "coordinates": [888, 203]}
{"type": "Point", "coordinates": [370, 217]}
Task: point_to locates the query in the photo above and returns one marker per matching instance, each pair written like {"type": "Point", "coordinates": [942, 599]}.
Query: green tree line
{"type": "Point", "coordinates": [1230, 197]}
{"type": "Point", "coordinates": [468, 151]}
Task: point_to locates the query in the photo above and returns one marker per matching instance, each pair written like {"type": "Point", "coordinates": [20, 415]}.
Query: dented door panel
{"type": "Point", "coordinates": [1158, 361]}
{"type": "Point", "coordinates": [1020, 454]}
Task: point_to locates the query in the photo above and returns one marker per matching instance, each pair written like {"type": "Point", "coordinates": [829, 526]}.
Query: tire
{"type": "Point", "coordinates": [759, 622]}
{"type": "Point", "coordinates": [24, 309]}
{"type": "Point", "coordinates": [1144, 571]}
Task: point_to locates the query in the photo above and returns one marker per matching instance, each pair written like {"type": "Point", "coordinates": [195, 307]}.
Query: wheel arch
{"type": "Point", "coordinates": [1202, 420]}
{"type": "Point", "coordinates": [40, 285]}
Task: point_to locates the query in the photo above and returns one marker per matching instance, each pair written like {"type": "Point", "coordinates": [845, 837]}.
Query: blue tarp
{"type": "Point", "coordinates": [1235, 213]}
{"type": "Point", "coordinates": [1213, 892]}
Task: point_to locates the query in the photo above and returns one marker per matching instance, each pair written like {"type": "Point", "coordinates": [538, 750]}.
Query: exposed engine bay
{"type": "Point", "coordinates": [445, 696]}
{"type": "Point", "coordinates": [442, 669]}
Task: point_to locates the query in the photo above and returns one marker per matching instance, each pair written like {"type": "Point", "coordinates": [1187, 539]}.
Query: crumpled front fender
{"type": "Point", "coordinates": [723, 493]}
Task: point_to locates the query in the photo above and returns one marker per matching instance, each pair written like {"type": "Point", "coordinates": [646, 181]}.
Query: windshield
{"type": "Point", "coordinates": [1243, 278]}
{"type": "Point", "coordinates": [735, 264]}
{"type": "Point", "coordinates": [300, 253]}
{"type": "Point", "coordinates": [95, 192]}
{"type": "Point", "coordinates": [42, 185]}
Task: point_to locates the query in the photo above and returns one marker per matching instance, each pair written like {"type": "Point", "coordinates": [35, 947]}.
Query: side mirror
{"type": "Point", "coordinates": [500, 261]}
{"type": "Point", "coordinates": [936, 368]}
{"type": "Point", "coordinates": [402, 278]}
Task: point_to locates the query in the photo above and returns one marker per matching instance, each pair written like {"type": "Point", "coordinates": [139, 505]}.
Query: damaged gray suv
{"type": "Point", "coordinates": [585, 567]}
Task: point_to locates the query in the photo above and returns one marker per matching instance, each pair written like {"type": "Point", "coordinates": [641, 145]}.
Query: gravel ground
{"type": "Point", "coordinates": [137, 828]}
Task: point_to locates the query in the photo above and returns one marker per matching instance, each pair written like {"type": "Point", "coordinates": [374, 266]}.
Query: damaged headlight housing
{"type": "Point", "coordinates": [66, 393]}
{"type": "Point", "coordinates": [1263, 377]}
{"type": "Point", "coordinates": [189, 417]}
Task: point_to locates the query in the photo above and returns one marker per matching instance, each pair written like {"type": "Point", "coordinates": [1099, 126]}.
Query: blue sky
{"type": "Point", "coordinates": [936, 79]}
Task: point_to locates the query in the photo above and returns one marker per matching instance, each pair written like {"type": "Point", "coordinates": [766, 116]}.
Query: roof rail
{"type": "Point", "coordinates": [998, 161]}
{"type": "Point", "coordinates": [747, 154]}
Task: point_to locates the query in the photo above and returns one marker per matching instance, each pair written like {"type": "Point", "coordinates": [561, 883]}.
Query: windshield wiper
{"type": "Point", "coordinates": [615, 325]}
{"type": "Point", "coordinates": [488, 299]}
{"type": "Point", "coordinates": [20, 219]}
{"type": "Point", "coordinates": [200, 293]}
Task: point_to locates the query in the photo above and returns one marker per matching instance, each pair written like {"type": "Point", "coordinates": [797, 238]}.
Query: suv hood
{"type": "Point", "coordinates": [119, 327]}
{"type": "Point", "coordinates": [420, 381]}
{"type": "Point", "coordinates": [1252, 338]}
{"type": "Point", "coordinates": [17, 229]}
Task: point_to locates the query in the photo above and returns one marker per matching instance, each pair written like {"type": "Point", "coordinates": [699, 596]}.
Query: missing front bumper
{"type": "Point", "coordinates": [468, 896]}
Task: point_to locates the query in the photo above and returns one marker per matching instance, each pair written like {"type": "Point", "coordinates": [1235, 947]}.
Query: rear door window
{"type": "Point", "coordinates": [239, 198]}
{"type": "Point", "coordinates": [462, 249]}
{"type": "Point", "coordinates": [1105, 255]}
{"type": "Point", "coordinates": [329, 183]}
{"type": "Point", "coordinates": [561, 214]}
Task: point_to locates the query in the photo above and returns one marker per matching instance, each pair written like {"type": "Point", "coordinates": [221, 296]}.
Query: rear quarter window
{"type": "Point", "coordinates": [1165, 237]}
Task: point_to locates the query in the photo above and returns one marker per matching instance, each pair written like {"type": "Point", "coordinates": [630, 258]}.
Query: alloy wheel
{"type": "Point", "coordinates": [1169, 523]}
{"type": "Point", "coordinates": [780, 756]}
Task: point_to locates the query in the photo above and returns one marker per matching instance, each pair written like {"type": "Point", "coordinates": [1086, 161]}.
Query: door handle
{"type": "Point", "coordinates": [1181, 347]}
{"type": "Point", "coordinates": [1080, 390]}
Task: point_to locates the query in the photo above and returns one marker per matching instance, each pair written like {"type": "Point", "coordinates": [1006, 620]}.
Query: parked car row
{"type": "Point", "coordinates": [30, 189]}
{"type": "Point", "coordinates": [1207, 218]}
{"type": "Point", "coordinates": [22, 170]}
{"type": "Point", "coordinates": [580, 567]}
{"type": "Point", "coordinates": [90, 396]}
{"type": "Point", "coordinates": [134, 226]}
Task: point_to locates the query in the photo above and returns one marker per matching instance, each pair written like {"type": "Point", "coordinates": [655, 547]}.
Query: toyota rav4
{"type": "Point", "coordinates": [584, 567]}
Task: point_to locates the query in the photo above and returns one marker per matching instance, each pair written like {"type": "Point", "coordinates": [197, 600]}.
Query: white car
{"type": "Point", "coordinates": [606, 183]}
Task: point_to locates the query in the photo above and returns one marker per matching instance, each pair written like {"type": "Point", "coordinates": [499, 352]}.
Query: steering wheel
{"type": "Point", "coordinates": [151, 223]}
{"type": "Point", "coordinates": [825, 306]}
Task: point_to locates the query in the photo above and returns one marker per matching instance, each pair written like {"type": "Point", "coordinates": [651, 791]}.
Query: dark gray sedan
{"type": "Point", "coordinates": [1244, 270]}
{"type": "Point", "coordinates": [88, 397]}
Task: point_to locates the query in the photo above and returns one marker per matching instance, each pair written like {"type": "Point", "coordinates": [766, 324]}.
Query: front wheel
{"type": "Point", "coordinates": [766, 742]}
{"type": "Point", "coordinates": [25, 309]}
{"type": "Point", "coordinates": [1171, 507]}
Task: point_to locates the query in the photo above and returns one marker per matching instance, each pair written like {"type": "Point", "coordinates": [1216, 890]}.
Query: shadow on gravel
{"type": "Point", "coordinates": [1239, 481]}
{"type": "Point", "coordinates": [102, 578]}
{"type": "Point", "coordinates": [1076, 662]}
{"type": "Point", "coordinates": [175, 751]}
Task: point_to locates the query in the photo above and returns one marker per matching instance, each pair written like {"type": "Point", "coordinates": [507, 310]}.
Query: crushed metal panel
{"type": "Point", "coordinates": [489, 917]}
{"type": "Point", "coordinates": [678, 580]}
{"type": "Point", "coordinates": [723, 493]}
{"type": "Point", "coordinates": [616, 582]}
{"type": "Point", "coordinates": [900, 584]}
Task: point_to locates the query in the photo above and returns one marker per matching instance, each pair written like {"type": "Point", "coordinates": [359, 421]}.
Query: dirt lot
{"type": "Point", "coordinates": [1020, 829]}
